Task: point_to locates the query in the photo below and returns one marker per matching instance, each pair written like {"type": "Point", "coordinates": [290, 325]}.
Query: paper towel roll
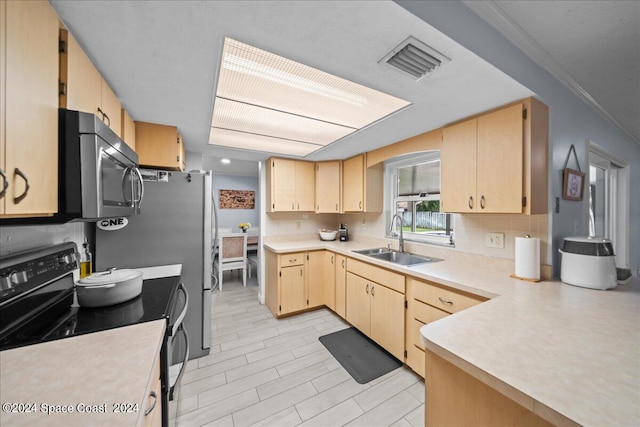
{"type": "Point", "coordinates": [528, 258]}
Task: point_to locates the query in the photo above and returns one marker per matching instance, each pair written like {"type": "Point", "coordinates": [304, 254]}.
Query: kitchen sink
{"type": "Point", "coordinates": [373, 251]}
{"type": "Point", "coordinates": [401, 258]}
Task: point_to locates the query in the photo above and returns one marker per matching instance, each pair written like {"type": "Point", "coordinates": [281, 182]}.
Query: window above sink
{"type": "Point", "coordinates": [412, 190]}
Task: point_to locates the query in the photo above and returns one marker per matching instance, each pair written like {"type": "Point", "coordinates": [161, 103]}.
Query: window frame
{"type": "Point", "coordinates": [391, 199]}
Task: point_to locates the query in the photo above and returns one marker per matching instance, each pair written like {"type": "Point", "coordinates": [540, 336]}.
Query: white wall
{"type": "Point", "coordinates": [571, 121]}
{"type": "Point", "coordinates": [232, 217]}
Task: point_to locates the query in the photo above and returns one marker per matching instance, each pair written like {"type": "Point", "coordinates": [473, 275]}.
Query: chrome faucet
{"type": "Point", "coordinates": [401, 240]}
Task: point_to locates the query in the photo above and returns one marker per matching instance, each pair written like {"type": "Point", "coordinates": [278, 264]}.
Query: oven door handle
{"type": "Point", "coordinates": [183, 313]}
{"type": "Point", "coordinates": [183, 366]}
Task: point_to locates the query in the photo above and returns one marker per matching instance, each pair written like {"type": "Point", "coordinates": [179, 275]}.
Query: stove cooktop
{"type": "Point", "coordinates": [64, 320]}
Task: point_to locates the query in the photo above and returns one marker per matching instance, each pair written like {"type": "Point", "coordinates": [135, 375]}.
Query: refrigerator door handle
{"type": "Point", "coordinates": [206, 319]}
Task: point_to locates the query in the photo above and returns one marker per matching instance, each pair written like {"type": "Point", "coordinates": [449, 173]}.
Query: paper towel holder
{"type": "Point", "coordinates": [513, 276]}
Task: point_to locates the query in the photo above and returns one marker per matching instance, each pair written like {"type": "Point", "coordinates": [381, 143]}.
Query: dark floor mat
{"type": "Point", "coordinates": [362, 358]}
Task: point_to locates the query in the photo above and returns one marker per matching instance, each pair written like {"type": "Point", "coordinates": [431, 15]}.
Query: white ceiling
{"type": "Point", "coordinates": [593, 47]}
{"type": "Point", "coordinates": [162, 57]}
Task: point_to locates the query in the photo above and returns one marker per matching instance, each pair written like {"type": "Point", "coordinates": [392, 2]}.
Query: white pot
{"type": "Point", "coordinates": [109, 287]}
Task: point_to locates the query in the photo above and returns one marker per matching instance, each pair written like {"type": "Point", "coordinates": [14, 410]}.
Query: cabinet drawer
{"type": "Point", "coordinates": [287, 260]}
{"type": "Point", "coordinates": [444, 299]}
{"type": "Point", "coordinates": [427, 314]}
{"type": "Point", "coordinates": [379, 275]}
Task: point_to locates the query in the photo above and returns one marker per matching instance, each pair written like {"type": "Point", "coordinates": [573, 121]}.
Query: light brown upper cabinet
{"type": "Point", "coordinates": [159, 146]}
{"type": "Point", "coordinates": [28, 109]}
{"type": "Point", "coordinates": [497, 162]}
{"type": "Point", "coordinates": [292, 185]}
{"type": "Point", "coordinates": [328, 186]}
{"type": "Point", "coordinates": [128, 133]}
{"type": "Point", "coordinates": [361, 185]}
{"type": "Point", "coordinates": [82, 87]}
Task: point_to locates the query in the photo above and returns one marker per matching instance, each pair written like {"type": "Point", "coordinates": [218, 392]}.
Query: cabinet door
{"type": "Point", "coordinates": [316, 282]}
{"type": "Point", "coordinates": [359, 303]}
{"type": "Point", "coordinates": [283, 185]}
{"type": "Point", "coordinates": [328, 187]}
{"type": "Point", "coordinates": [387, 319]}
{"type": "Point", "coordinates": [111, 108]}
{"type": "Point", "coordinates": [353, 184]}
{"type": "Point", "coordinates": [305, 186]}
{"type": "Point", "coordinates": [29, 99]}
{"type": "Point", "coordinates": [341, 285]}
{"type": "Point", "coordinates": [458, 167]}
{"type": "Point", "coordinates": [292, 289]}
{"type": "Point", "coordinates": [157, 145]}
{"type": "Point", "coordinates": [83, 81]}
{"type": "Point", "coordinates": [329, 269]}
{"type": "Point", "coordinates": [500, 161]}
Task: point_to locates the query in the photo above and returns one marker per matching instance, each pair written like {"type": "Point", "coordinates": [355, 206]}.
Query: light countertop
{"type": "Point", "coordinates": [83, 373]}
{"type": "Point", "coordinates": [569, 354]}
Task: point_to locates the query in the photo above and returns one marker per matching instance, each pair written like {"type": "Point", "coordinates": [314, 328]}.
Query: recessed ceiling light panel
{"type": "Point", "coordinates": [265, 95]}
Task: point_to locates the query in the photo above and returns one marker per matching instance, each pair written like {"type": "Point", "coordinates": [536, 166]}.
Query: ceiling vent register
{"type": "Point", "coordinates": [415, 58]}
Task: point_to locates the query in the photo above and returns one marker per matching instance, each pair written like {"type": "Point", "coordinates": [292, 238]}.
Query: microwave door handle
{"type": "Point", "coordinates": [140, 184]}
{"type": "Point", "coordinates": [127, 173]}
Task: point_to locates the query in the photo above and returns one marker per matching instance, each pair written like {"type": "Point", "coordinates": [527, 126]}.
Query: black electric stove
{"type": "Point", "coordinates": [36, 300]}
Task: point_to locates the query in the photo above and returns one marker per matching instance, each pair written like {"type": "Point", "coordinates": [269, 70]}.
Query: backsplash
{"type": "Point", "coordinates": [19, 238]}
{"type": "Point", "coordinates": [288, 223]}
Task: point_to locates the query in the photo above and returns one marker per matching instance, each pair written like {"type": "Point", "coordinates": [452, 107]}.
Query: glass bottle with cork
{"type": "Point", "coordinates": [86, 261]}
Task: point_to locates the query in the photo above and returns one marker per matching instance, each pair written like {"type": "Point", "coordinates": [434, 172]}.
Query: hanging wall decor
{"type": "Point", "coordinates": [237, 199]}
{"type": "Point", "coordinates": [573, 180]}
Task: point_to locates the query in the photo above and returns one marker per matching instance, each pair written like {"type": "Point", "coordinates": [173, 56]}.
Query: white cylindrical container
{"type": "Point", "coordinates": [528, 258]}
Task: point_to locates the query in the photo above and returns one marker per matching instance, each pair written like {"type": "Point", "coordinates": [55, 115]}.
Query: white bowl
{"type": "Point", "coordinates": [328, 235]}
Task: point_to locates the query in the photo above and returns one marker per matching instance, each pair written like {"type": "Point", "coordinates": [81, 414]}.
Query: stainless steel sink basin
{"type": "Point", "coordinates": [373, 251]}
{"type": "Point", "coordinates": [403, 258]}
{"type": "Point", "coordinates": [400, 258]}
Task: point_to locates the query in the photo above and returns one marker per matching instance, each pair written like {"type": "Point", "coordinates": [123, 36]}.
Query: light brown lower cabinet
{"type": "Point", "coordinates": [295, 281]}
{"type": "Point", "coordinates": [426, 303]}
{"type": "Point", "coordinates": [153, 403]}
{"type": "Point", "coordinates": [341, 285]}
{"type": "Point", "coordinates": [376, 310]}
{"type": "Point", "coordinates": [456, 398]}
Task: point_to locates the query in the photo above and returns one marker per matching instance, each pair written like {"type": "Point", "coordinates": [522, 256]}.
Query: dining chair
{"type": "Point", "coordinates": [232, 255]}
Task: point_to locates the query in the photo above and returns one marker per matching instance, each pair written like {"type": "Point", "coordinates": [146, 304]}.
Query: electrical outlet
{"type": "Point", "coordinates": [494, 240]}
{"type": "Point", "coordinates": [297, 225]}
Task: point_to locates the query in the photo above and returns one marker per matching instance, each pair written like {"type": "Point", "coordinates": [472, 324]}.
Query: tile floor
{"type": "Point", "coordinates": [267, 372]}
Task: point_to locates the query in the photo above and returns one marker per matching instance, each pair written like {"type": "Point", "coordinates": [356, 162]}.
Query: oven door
{"type": "Point", "coordinates": [111, 183]}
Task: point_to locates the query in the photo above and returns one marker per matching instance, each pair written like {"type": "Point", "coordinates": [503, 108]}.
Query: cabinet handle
{"type": "Point", "coordinates": [445, 301]}
{"type": "Point", "coordinates": [298, 206]}
{"type": "Point", "coordinates": [343, 263]}
{"type": "Point", "coordinates": [21, 197]}
{"type": "Point", "coordinates": [293, 260]}
{"type": "Point", "coordinates": [331, 259]}
{"type": "Point", "coordinates": [300, 272]}
{"type": "Point", "coordinates": [470, 202]}
{"type": "Point", "coordinates": [482, 201]}
{"type": "Point", "coordinates": [155, 400]}
{"type": "Point", "coordinates": [367, 289]}
{"type": "Point", "coordinates": [5, 183]}
{"type": "Point", "coordinates": [104, 116]}
{"type": "Point", "coordinates": [293, 206]}
{"type": "Point", "coordinates": [336, 207]}
{"type": "Point", "coordinates": [360, 205]}
{"type": "Point", "coordinates": [372, 294]}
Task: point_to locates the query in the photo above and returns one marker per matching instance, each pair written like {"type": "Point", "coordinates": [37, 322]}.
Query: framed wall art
{"type": "Point", "coordinates": [237, 199]}
{"type": "Point", "coordinates": [573, 185]}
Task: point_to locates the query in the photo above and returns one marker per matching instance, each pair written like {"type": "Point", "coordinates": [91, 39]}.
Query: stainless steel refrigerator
{"type": "Point", "coordinates": [174, 227]}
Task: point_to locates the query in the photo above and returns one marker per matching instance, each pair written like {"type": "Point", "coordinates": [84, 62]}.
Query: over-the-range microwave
{"type": "Point", "coordinates": [98, 175]}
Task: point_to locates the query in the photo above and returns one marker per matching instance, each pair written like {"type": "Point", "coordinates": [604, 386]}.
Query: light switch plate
{"type": "Point", "coordinates": [494, 240]}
